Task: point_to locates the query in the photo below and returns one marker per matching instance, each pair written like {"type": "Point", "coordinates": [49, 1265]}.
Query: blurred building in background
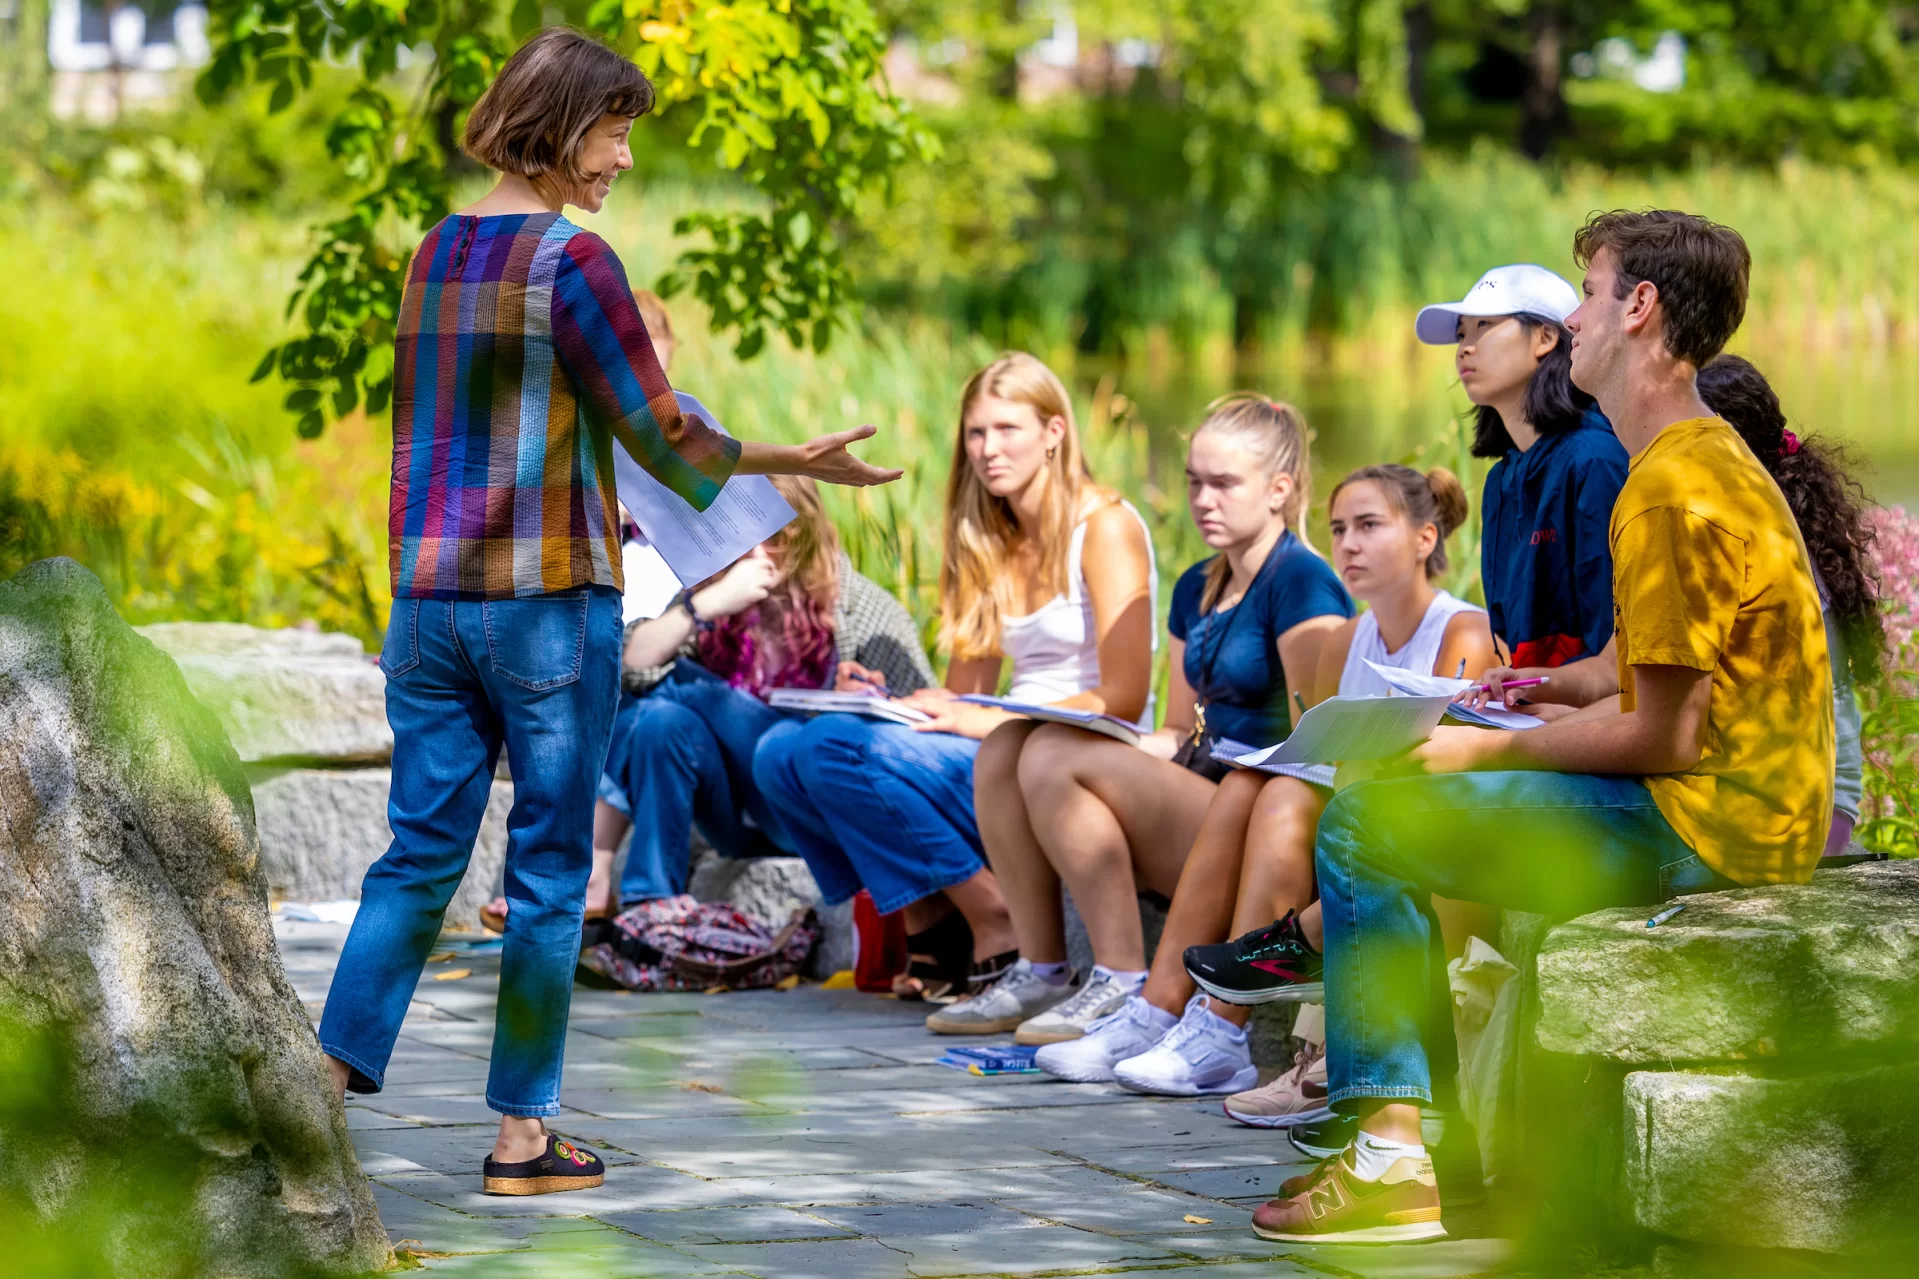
{"type": "Point", "coordinates": [108, 56]}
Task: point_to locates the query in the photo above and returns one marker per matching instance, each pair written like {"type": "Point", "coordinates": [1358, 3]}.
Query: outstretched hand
{"type": "Point", "coordinates": [827, 459]}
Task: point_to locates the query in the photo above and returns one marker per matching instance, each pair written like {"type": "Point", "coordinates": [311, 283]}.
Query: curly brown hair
{"type": "Point", "coordinates": [1828, 503]}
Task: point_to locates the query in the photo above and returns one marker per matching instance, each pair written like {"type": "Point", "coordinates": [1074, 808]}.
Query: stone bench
{"type": "Point", "coordinates": [1746, 1074]}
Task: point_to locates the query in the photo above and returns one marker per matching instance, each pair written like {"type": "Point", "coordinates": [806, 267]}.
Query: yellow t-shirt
{"type": "Point", "coordinates": [1709, 572]}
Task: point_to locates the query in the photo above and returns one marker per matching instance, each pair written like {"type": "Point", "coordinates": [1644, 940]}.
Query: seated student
{"type": "Point", "coordinates": [1714, 767]}
{"type": "Point", "coordinates": [1252, 860]}
{"type": "Point", "coordinates": [790, 613]}
{"type": "Point", "coordinates": [1544, 564]}
{"type": "Point", "coordinates": [1057, 803]}
{"type": "Point", "coordinates": [1042, 566]}
{"type": "Point", "coordinates": [1829, 508]}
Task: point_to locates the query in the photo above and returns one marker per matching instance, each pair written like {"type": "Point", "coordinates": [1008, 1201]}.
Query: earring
{"type": "Point", "coordinates": [1051, 451]}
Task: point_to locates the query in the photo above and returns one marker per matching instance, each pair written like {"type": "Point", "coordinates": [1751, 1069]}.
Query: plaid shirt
{"type": "Point", "coordinates": [520, 356]}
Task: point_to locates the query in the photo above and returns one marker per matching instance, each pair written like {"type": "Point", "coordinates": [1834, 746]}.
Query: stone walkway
{"type": "Point", "coordinates": [808, 1133]}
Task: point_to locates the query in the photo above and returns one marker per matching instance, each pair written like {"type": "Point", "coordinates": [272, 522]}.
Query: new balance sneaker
{"type": "Point", "coordinates": [1266, 965]}
{"type": "Point", "coordinates": [1128, 1031]}
{"type": "Point", "coordinates": [1335, 1206]}
{"type": "Point", "coordinates": [1324, 1138]}
{"type": "Point", "coordinates": [1069, 1018]}
{"type": "Point", "coordinates": [1296, 1097]}
{"type": "Point", "coordinates": [1020, 993]}
{"type": "Point", "coordinates": [1204, 1055]}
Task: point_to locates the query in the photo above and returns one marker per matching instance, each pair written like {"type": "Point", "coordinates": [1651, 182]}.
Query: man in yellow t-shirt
{"type": "Point", "coordinates": [1712, 766]}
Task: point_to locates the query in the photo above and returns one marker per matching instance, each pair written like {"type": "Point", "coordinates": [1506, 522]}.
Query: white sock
{"type": "Point", "coordinates": [1052, 974]}
{"type": "Point", "coordinates": [1133, 981]}
{"type": "Point", "coordinates": [1162, 1020]}
{"type": "Point", "coordinates": [1372, 1156]}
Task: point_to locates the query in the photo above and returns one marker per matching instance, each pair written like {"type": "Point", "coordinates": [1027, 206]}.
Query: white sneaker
{"type": "Point", "coordinates": [1018, 994]}
{"type": "Point", "coordinates": [1203, 1055]}
{"type": "Point", "coordinates": [1127, 1032]}
{"type": "Point", "coordinates": [1101, 995]}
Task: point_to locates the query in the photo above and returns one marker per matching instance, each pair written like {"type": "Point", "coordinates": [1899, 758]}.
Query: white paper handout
{"type": "Point", "coordinates": [1350, 728]}
{"type": "Point", "coordinates": [698, 544]}
{"type": "Point", "coordinates": [1413, 684]}
{"type": "Point", "coordinates": [825, 701]}
{"type": "Point", "coordinates": [1092, 721]}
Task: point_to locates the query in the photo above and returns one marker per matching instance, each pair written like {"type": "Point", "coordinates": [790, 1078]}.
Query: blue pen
{"type": "Point", "coordinates": [1665, 915]}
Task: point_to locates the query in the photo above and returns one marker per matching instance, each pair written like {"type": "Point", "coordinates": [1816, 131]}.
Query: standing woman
{"type": "Point", "coordinates": [1058, 804]}
{"type": "Point", "coordinates": [1041, 565]}
{"type": "Point", "coordinates": [1544, 558]}
{"type": "Point", "coordinates": [520, 357]}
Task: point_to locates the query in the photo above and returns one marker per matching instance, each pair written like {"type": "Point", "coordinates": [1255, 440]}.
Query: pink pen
{"type": "Point", "coordinates": [1517, 683]}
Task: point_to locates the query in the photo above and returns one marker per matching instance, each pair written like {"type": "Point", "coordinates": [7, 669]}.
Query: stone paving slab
{"type": "Point", "coordinates": [803, 1134]}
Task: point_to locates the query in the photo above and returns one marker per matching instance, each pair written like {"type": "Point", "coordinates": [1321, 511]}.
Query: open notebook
{"type": "Point", "coordinates": [824, 701]}
{"type": "Point", "coordinates": [1092, 721]}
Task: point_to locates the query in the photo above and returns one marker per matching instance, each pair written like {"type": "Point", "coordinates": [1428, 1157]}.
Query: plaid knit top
{"type": "Point", "coordinates": [519, 358]}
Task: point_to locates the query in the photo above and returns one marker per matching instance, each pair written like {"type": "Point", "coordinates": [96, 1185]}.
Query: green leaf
{"type": "Point", "coordinates": [265, 366]}
{"type": "Point", "coordinates": [282, 97]}
{"type": "Point", "coordinates": [311, 425]}
{"type": "Point", "coordinates": [302, 400]}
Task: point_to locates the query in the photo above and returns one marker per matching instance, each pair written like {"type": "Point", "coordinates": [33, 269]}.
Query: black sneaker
{"type": "Point", "coordinates": [1267, 964]}
{"type": "Point", "coordinates": [1326, 1138]}
{"type": "Point", "coordinates": [564, 1166]}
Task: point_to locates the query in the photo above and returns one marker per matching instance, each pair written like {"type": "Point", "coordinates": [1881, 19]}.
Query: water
{"type": "Point", "coordinates": [1400, 408]}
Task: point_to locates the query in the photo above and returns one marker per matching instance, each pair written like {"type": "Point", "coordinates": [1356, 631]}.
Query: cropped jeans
{"type": "Point", "coordinates": [686, 750]}
{"type": "Point", "coordinates": [539, 675]}
{"type": "Point", "coordinates": [1554, 843]}
{"type": "Point", "coordinates": [873, 805]}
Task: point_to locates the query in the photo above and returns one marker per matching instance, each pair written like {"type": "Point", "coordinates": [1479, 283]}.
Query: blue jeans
{"type": "Point", "coordinates": [686, 751]}
{"type": "Point", "coordinates": [540, 676]}
{"type": "Point", "coordinates": [1555, 843]}
{"type": "Point", "coordinates": [873, 805]}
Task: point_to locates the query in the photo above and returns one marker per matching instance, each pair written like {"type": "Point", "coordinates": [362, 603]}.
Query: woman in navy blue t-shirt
{"type": "Point", "coordinates": [1109, 820]}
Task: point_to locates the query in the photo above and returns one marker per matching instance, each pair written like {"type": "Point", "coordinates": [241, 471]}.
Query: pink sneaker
{"type": "Point", "coordinates": [1296, 1097]}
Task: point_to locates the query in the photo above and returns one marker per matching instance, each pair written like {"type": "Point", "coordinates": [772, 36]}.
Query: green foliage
{"type": "Point", "coordinates": [790, 95]}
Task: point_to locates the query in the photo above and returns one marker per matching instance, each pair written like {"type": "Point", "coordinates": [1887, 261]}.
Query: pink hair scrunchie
{"type": "Point", "coordinates": [1790, 446]}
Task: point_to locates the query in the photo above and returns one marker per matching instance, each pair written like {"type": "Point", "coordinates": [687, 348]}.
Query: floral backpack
{"type": "Point", "coordinates": [677, 943]}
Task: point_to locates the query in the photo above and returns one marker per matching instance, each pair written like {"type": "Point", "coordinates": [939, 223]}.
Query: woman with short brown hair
{"type": "Point", "coordinates": [519, 358]}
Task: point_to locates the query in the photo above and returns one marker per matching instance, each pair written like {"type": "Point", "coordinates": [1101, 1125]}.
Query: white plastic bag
{"type": "Point", "coordinates": [1486, 1022]}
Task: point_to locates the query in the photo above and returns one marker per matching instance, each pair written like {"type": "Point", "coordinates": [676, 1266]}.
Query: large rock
{"type": "Point", "coordinates": [179, 1117]}
{"type": "Point", "coordinates": [321, 828]}
{"type": "Point", "coordinates": [1783, 971]}
{"type": "Point", "coordinates": [1821, 1162]}
{"type": "Point", "coordinates": [287, 695]}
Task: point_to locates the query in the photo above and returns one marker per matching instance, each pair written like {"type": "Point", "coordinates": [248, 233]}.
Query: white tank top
{"type": "Point", "coordinates": [1417, 654]}
{"type": "Point", "coordinates": [1055, 648]}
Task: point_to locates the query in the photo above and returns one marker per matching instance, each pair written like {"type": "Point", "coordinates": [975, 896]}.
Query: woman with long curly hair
{"type": "Point", "coordinates": [790, 613]}
{"type": "Point", "coordinates": [1830, 508]}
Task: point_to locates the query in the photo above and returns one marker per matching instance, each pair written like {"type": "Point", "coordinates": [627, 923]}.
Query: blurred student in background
{"type": "Point", "coordinates": [1042, 566]}
{"type": "Point", "coordinates": [1059, 804]}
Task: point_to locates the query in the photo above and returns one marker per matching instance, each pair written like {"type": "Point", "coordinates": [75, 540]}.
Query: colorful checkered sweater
{"type": "Point", "coordinates": [520, 356]}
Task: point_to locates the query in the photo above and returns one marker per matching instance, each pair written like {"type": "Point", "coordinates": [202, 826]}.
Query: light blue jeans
{"type": "Point", "coordinates": [873, 805]}
{"type": "Point", "coordinates": [1554, 843]}
{"type": "Point", "coordinates": [541, 676]}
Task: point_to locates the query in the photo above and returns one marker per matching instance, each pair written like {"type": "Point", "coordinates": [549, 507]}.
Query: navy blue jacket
{"type": "Point", "coordinates": [1544, 557]}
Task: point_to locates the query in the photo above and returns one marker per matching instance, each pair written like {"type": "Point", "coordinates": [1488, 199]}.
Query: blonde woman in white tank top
{"type": "Point", "coordinates": [1042, 566]}
{"type": "Point", "coordinates": [1253, 861]}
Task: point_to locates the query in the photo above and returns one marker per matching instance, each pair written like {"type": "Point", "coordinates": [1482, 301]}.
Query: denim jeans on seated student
{"type": "Point", "coordinates": [1554, 843]}
{"type": "Point", "coordinates": [874, 805]}
{"type": "Point", "coordinates": [684, 754]}
{"type": "Point", "coordinates": [541, 676]}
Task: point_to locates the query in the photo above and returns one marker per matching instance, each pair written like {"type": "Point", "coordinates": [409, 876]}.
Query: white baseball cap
{"type": "Point", "coordinates": [1504, 290]}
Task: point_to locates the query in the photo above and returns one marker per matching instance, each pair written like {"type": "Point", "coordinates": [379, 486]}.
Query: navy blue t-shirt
{"type": "Point", "coordinates": [1232, 658]}
{"type": "Point", "coordinates": [1544, 557]}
